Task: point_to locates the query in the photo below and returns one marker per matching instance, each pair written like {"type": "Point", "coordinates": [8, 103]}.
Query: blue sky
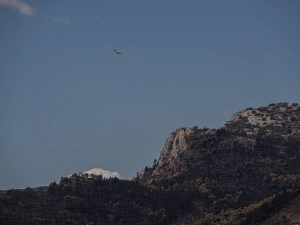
{"type": "Point", "coordinates": [184, 63]}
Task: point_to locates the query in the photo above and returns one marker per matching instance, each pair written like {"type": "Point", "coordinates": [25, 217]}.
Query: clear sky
{"type": "Point", "coordinates": [184, 64]}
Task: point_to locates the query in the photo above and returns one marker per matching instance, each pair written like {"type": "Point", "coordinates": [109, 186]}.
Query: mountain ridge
{"type": "Point", "coordinates": [276, 119]}
{"type": "Point", "coordinates": [246, 172]}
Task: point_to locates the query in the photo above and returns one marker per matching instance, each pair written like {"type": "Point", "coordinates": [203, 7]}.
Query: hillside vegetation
{"type": "Point", "coordinates": [246, 172]}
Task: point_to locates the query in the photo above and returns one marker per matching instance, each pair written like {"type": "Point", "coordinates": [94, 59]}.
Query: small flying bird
{"type": "Point", "coordinates": [117, 52]}
{"type": "Point", "coordinates": [34, 125]}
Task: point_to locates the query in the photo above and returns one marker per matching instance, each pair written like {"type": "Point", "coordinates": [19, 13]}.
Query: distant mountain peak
{"type": "Point", "coordinates": [100, 172]}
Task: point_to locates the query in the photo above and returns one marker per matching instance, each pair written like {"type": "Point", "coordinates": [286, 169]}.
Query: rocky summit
{"type": "Point", "coordinates": [246, 172]}
{"type": "Point", "coordinates": [253, 158]}
{"type": "Point", "coordinates": [252, 136]}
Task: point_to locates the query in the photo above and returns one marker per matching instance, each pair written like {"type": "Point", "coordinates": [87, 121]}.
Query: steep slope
{"type": "Point", "coordinates": [254, 156]}
{"type": "Point", "coordinates": [272, 131]}
{"type": "Point", "coordinates": [289, 215]}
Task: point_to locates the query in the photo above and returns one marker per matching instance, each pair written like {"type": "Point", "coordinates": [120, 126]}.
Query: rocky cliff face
{"type": "Point", "coordinates": [252, 161]}
{"type": "Point", "coordinates": [271, 132]}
